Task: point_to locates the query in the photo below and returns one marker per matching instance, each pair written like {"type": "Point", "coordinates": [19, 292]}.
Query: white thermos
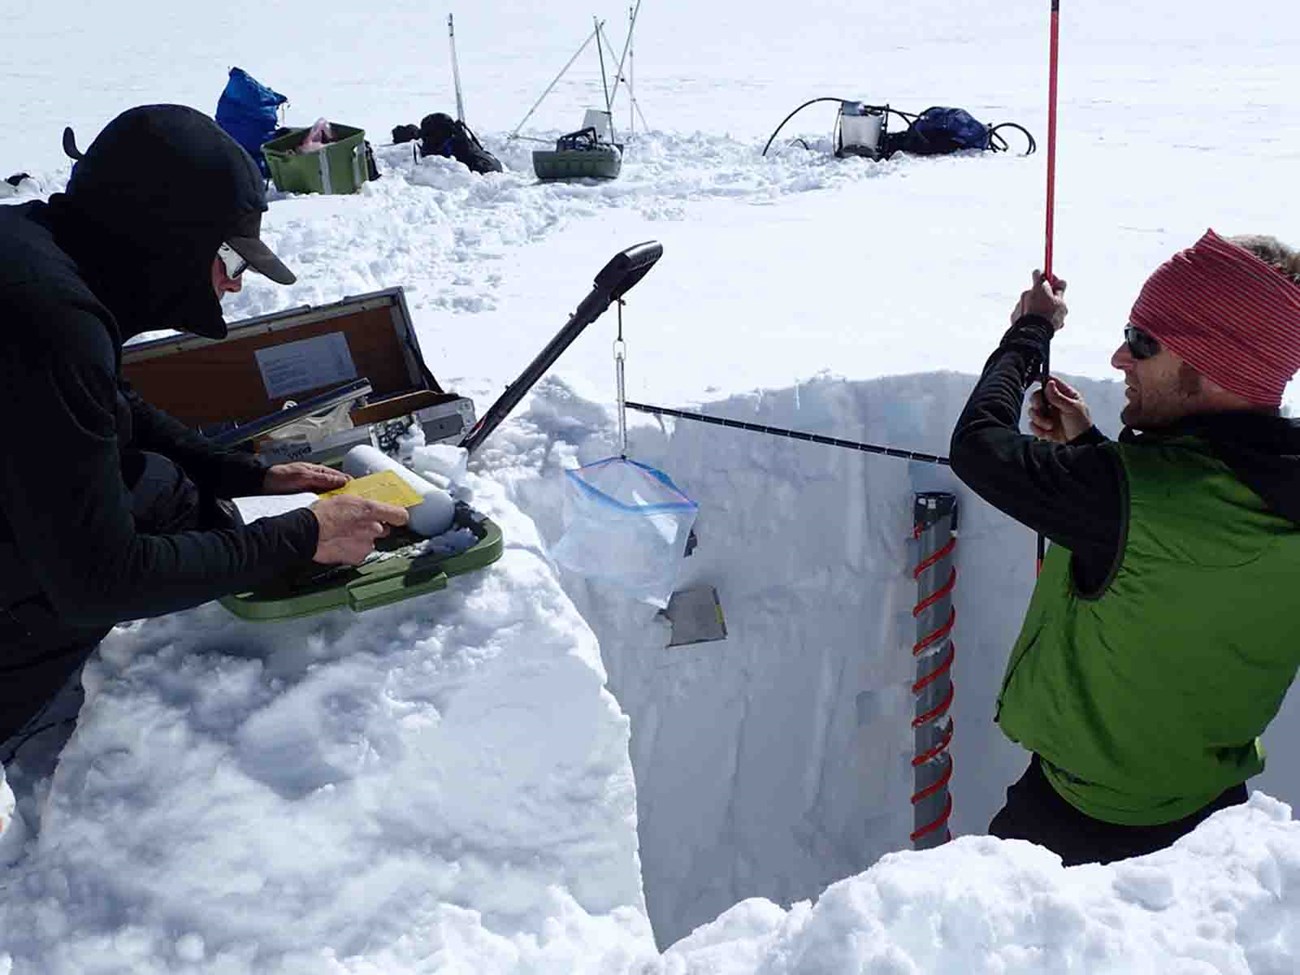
{"type": "Point", "coordinates": [432, 516]}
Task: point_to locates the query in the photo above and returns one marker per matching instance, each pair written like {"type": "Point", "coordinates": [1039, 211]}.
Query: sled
{"type": "Point", "coordinates": [592, 152]}
{"type": "Point", "coordinates": [578, 155]}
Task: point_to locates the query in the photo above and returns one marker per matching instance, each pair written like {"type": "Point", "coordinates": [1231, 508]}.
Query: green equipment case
{"type": "Point", "coordinates": [397, 571]}
{"type": "Point", "coordinates": [339, 167]}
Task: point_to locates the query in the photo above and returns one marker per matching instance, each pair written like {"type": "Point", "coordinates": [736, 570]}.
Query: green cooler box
{"type": "Point", "coordinates": [340, 167]}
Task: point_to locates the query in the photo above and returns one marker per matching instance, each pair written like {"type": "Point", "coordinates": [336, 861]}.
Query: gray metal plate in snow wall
{"type": "Point", "coordinates": [696, 616]}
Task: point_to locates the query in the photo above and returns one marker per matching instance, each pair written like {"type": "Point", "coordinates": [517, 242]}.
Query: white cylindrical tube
{"type": "Point", "coordinates": [432, 516]}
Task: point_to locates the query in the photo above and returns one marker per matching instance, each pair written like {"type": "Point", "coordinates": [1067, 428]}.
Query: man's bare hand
{"type": "Point", "coordinates": [349, 526]}
{"type": "Point", "coordinates": [1058, 413]}
{"type": "Point", "coordinates": [1045, 299]}
{"type": "Point", "coordinates": [301, 476]}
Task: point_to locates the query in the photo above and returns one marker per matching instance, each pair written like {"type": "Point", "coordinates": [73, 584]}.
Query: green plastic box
{"type": "Point", "coordinates": [376, 583]}
{"type": "Point", "coordinates": [340, 167]}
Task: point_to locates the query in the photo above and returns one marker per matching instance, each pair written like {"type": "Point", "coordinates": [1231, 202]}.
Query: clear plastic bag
{"type": "Point", "coordinates": [627, 524]}
{"type": "Point", "coordinates": [318, 138]}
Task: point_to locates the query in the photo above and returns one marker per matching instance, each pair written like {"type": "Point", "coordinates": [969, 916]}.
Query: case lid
{"type": "Point", "coordinates": [288, 355]}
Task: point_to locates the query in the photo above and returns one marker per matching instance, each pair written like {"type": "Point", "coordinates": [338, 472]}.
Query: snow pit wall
{"type": "Point", "coordinates": [776, 762]}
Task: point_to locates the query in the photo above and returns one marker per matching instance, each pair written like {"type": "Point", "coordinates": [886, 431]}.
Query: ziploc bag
{"type": "Point", "coordinates": [626, 524]}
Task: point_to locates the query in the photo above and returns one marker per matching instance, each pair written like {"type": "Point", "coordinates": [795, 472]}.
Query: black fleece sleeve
{"type": "Point", "coordinates": [62, 491]}
{"type": "Point", "coordinates": [1072, 493]}
{"type": "Point", "coordinates": [226, 473]}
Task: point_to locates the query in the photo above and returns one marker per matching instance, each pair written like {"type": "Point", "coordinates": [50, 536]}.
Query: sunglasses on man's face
{"type": "Point", "coordinates": [234, 264]}
{"type": "Point", "coordinates": [1140, 344]}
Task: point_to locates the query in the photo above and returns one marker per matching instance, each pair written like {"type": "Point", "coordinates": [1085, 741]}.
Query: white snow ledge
{"type": "Point", "coordinates": [444, 778]}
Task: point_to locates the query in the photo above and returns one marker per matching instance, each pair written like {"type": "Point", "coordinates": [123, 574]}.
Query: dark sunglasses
{"type": "Point", "coordinates": [235, 264]}
{"type": "Point", "coordinates": [1140, 344]}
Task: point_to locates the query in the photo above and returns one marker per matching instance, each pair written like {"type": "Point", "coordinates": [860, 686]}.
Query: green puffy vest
{"type": "Point", "coordinates": [1147, 701]}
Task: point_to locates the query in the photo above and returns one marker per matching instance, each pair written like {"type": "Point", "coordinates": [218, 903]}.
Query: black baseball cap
{"type": "Point", "coordinates": [246, 241]}
{"type": "Point", "coordinates": [152, 199]}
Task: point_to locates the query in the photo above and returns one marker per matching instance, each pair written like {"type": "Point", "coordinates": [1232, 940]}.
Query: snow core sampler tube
{"type": "Point", "coordinates": [430, 517]}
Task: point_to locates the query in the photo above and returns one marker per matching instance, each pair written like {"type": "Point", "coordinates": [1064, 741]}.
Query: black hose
{"type": "Point", "coordinates": [1003, 147]}
{"type": "Point", "coordinates": [811, 101]}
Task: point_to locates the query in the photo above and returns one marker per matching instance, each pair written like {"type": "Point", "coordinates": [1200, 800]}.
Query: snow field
{"type": "Point", "coordinates": [446, 786]}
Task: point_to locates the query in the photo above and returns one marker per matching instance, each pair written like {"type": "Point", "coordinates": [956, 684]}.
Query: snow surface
{"type": "Point", "coordinates": [447, 784]}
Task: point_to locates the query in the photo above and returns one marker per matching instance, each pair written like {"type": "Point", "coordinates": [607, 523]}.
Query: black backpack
{"type": "Point", "coordinates": [442, 135]}
{"type": "Point", "coordinates": [405, 133]}
{"type": "Point", "coordinates": [940, 130]}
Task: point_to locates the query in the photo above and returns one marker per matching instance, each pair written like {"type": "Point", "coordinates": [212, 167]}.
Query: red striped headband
{"type": "Point", "coordinates": [1229, 315]}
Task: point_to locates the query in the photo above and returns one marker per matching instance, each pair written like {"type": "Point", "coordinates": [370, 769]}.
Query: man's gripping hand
{"type": "Point", "coordinates": [1046, 299]}
{"type": "Point", "coordinates": [349, 526]}
{"type": "Point", "coordinates": [1058, 413]}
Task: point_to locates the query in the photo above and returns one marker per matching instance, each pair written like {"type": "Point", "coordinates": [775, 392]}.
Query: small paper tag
{"type": "Point", "coordinates": [306, 364]}
{"type": "Point", "coordinates": [385, 486]}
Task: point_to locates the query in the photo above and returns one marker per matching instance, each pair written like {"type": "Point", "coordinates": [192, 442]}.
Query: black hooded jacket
{"type": "Point", "coordinates": [128, 248]}
{"type": "Point", "coordinates": [1075, 494]}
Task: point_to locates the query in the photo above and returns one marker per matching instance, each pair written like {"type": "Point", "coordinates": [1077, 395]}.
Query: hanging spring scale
{"type": "Point", "coordinates": [620, 354]}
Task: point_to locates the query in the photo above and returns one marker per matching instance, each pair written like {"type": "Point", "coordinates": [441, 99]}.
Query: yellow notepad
{"type": "Point", "coordinates": [385, 486]}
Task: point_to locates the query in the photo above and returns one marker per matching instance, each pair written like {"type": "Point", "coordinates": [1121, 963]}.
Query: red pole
{"type": "Point", "coordinates": [1051, 190]}
{"type": "Point", "coordinates": [1051, 137]}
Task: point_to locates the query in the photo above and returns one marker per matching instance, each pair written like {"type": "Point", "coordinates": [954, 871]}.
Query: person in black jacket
{"type": "Point", "coordinates": [1212, 341]}
{"type": "Point", "coordinates": [109, 509]}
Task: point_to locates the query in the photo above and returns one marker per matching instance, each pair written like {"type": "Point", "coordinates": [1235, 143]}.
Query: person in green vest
{"type": "Point", "coordinates": [1159, 641]}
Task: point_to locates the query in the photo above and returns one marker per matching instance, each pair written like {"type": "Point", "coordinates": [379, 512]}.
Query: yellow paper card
{"type": "Point", "coordinates": [385, 486]}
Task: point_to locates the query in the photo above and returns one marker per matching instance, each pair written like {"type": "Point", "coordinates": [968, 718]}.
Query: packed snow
{"type": "Point", "coordinates": [515, 775]}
